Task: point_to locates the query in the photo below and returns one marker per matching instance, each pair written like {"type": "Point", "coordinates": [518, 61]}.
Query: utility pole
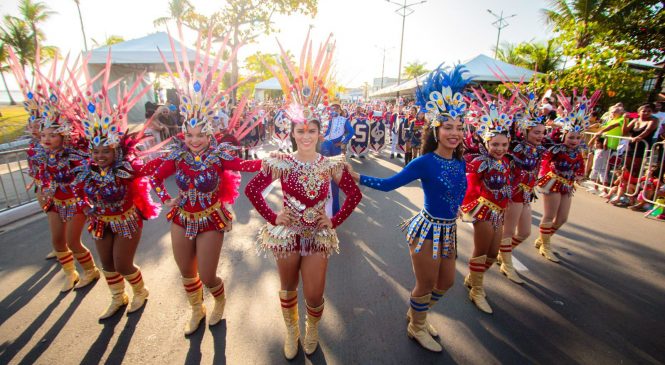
{"type": "Point", "coordinates": [499, 24]}
{"type": "Point", "coordinates": [383, 63]}
{"type": "Point", "coordinates": [404, 10]}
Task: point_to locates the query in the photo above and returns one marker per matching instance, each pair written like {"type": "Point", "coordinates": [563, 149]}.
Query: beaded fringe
{"type": "Point", "coordinates": [283, 241]}
{"type": "Point", "coordinates": [444, 233]}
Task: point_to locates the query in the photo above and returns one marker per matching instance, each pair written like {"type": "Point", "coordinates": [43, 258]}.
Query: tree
{"type": "Point", "coordinates": [580, 12]}
{"type": "Point", "coordinates": [508, 53]}
{"type": "Point", "coordinates": [34, 13]}
{"type": "Point", "coordinates": [414, 69]}
{"type": "Point", "coordinates": [542, 57]}
{"type": "Point", "coordinates": [4, 55]}
{"type": "Point", "coordinates": [245, 20]}
{"type": "Point", "coordinates": [109, 41]}
{"type": "Point", "coordinates": [180, 11]}
{"type": "Point", "coordinates": [16, 34]}
{"type": "Point", "coordinates": [255, 65]}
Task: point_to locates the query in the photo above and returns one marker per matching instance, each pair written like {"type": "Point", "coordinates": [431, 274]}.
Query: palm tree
{"type": "Point", "coordinates": [85, 40]}
{"type": "Point", "coordinates": [509, 53]}
{"type": "Point", "coordinates": [414, 69]}
{"type": "Point", "coordinates": [3, 67]}
{"type": "Point", "coordinates": [34, 13]}
{"type": "Point", "coordinates": [16, 34]}
{"type": "Point", "coordinates": [179, 10]}
{"type": "Point", "coordinates": [544, 57]}
{"type": "Point", "coordinates": [109, 41]}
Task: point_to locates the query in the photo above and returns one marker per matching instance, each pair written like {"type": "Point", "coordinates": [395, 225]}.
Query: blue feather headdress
{"type": "Point", "coordinates": [440, 96]}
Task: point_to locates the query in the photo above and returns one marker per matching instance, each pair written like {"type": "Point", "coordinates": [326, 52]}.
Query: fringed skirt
{"type": "Point", "coordinates": [66, 208]}
{"type": "Point", "coordinates": [125, 224]}
{"type": "Point", "coordinates": [482, 210]}
{"type": "Point", "coordinates": [304, 240]}
{"type": "Point", "coordinates": [523, 193]}
{"type": "Point", "coordinates": [214, 218]}
{"type": "Point", "coordinates": [553, 183]}
{"type": "Point", "coordinates": [424, 226]}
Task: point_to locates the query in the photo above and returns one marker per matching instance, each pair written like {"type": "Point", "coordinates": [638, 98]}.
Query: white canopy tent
{"type": "Point", "coordinates": [130, 58]}
{"type": "Point", "coordinates": [261, 88]}
{"type": "Point", "coordinates": [480, 68]}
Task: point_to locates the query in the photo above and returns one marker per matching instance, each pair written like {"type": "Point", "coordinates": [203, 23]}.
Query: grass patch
{"type": "Point", "coordinates": [12, 123]}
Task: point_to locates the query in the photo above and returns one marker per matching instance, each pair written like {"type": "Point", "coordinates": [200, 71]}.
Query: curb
{"type": "Point", "coordinates": [15, 214]}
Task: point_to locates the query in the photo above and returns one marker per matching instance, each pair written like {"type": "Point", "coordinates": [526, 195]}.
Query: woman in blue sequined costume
{"type": "Point", "coordinates": [432, 232]}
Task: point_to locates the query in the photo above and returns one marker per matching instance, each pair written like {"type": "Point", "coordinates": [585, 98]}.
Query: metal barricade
{"type": "Point", "coordinates": [657, 164]}
{"type": "Point", "coordinates": [14, 179]}
{"type": "Point", "coordinates": [622, 167]}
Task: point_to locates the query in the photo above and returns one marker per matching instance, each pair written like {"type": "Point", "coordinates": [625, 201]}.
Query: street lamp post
{"type": "Point", "coordinates": [404, 10]}
{"type": "Point", "coordinates": [383, 63]}
{"type": "Point", "coordinates": [499, 24]}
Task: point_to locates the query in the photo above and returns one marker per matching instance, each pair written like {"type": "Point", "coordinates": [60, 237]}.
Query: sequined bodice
{"type": "Point", "coordinates": [205, 181]}
{"type": "Point", "coordinates": [105, 193]}
{"type": "Point", "coordinates": [494, 176]}
{"type": "Point", "coordinates": [567, 162]}
{"type": "Point", "coordinates": [526, 156]}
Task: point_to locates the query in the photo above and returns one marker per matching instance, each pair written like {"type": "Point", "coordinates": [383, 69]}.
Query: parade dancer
{"type": "Point", "coordinates": [562, 166]}
{"type": "Point", "coordinates": [50, 103]}
{"type": "Point", "coordinates": [35, 153]}
{"type": "Point", "coordinates": [525, 155]}
{"type": "Point", "coordinates": [432, 233]}
{"type": "Point", "coordinates": [488, 194]}
{"type": "Point", "coordinates": [118, 197]}
{"type": "Point", "coordinates": [203, 172]}
{"type": "Point", "coordinates": [337, 136]}
{"type": "Point", "coordinates": [302, 236]}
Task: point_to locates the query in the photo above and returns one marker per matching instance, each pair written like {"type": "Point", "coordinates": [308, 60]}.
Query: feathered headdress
{"type": "Point", "coordinates": [440, 95]}
{"type": "Point", "coordinates": [48, 101]}
{"type": "Point", "coordinates": [528, 112]}
{"type": "Point", "coordinates": [492, 115]}
{"type": "Point", "coordinates": [105, 124]}
{"type": "Point", "coordinates": [577, 111]}
{"type": "Point", "coordinates": [305, 86]}
{"type": "Point", "coordinates": [198, 87]}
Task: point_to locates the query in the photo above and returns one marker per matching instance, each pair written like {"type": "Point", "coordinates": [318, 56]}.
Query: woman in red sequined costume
{"type": "Point", "coordinates": [204, 172]}
{"type": "Point", "coordinates": [50, 104]}
{"type": "Point", "coordinates": [118, 197]}
{"type": "Point", "coordinates": [562, 166]}
{"type": "Point", "coordinates": [525, 155]}
{"type": "Point", "coordinates": [301, 236]}
{"type": "Point", "coordinates": [488, 191]}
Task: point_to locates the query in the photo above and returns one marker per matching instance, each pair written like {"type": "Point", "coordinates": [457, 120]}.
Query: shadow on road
{"type": "Point", "coordinates": [219, 340]}
{"type": "Point", "coordinates": [98, 348]}
{"type": "Point", "coordinates": [119, 351]}
{"type": "Point", "coordinates": [33, 355]}
{"type": "Point", "coordinates": [25, 292]}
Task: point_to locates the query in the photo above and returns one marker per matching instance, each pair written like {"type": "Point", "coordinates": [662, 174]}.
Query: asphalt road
{"type": "Point", "coordinates": [604, 304]}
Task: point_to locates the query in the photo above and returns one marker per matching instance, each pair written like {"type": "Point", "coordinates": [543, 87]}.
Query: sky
{"type": "Point", "coordinates": [438, 31]}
